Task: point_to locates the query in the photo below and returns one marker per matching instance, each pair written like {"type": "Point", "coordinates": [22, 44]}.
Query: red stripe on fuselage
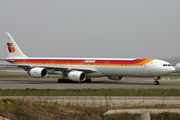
{"type": "Point", "coordinates": [66, 61]}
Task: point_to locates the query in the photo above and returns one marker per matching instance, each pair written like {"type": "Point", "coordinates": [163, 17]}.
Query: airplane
{"type": "Point", "coordinates": [83, 69]}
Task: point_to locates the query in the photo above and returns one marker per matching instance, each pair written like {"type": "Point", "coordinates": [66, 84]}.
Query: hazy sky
{"type": "Point", "coordinates": [92, 28]}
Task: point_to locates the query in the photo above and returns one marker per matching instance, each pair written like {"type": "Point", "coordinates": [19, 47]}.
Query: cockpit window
{"type": "Point", "coordinates": [166, 64]}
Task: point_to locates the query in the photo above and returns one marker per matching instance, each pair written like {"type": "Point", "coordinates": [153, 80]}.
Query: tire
{"type": "Point", "coordinates": [59, 81]}
{"type": "Point", "coordinates": [155, 82]}
{"type": "Point", "coordinates": [89, 80]}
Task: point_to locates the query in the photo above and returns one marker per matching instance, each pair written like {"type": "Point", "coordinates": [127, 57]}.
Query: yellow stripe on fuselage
{"type": "Point", "coordinates": [135, 64]}
{"type": "Point", "coordinates": [145, 62]}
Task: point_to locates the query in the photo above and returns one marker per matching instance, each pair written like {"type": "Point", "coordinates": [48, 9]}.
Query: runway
{"type": "Point", "coordinates": [97, 83]}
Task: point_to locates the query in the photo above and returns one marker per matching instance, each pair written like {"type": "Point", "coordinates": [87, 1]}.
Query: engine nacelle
{"type": "Point", "coordinates": [115, 77]}
{"type": "Point", "coordinates": [38, 72]}
{"type": "Point", "coordinates": [77, 76]}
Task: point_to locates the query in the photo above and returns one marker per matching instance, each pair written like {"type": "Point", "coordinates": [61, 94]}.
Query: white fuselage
{"type": "Point", "coordinates": [105, 66]}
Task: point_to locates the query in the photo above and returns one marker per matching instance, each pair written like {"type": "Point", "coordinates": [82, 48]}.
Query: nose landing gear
{"type": "Point", "coordinates": [156, 82]}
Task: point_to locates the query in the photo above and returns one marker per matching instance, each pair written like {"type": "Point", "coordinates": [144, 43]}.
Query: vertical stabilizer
{"type": "Point", "coordinates": [12, 48]}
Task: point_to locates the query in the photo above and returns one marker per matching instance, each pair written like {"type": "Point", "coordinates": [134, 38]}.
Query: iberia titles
{"type": "Point", "coordinates": [90, 61]}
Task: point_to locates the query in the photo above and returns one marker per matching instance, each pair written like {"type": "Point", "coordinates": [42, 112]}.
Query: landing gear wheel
{"type": "Point", "coordinates": [59, 81]}
{"type": "Point", "coordinates": [89, 80]}
{"type": "Point", "coordinates": [68, 81]}
{"type": "Point", "coordinates": [156, 82]}
{"type": "Point", "coordinates": [64, 80]}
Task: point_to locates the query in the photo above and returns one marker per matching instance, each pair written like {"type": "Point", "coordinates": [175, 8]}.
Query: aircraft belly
{"type": "Point", "coordinates": [160, 72]}
{"type": "Point", "coordinates": [124, 71]}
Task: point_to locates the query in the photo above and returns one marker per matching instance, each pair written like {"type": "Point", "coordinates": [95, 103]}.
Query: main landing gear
{"type": "Point", "coordinates": [156, 82]}
{"type": "Point", "coordinates": [69, 81]}
{"type": "Point", "coordinates": [63, 80]}
{"type": "Point", "coordinates": [87, 81]}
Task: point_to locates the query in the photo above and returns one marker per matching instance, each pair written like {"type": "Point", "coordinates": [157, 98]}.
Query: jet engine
{"type": "Point", "coordinates": [115, 77]}
{"type": "Point", "coordinates": [77, 76]}
{"type": "Point", "coordinates": [38, 72]}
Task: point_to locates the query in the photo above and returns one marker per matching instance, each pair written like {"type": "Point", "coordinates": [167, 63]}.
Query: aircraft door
{"type": "Point", "coordinates": [106, 64]}
{"type": "Point", "coordinates": [81, 64]}
{"type": "Point", "coordinates": [24, 61]}
{"type": "Point", "coordinates": [153, 65]}
{"type": "Point", "coordinates": [52, 62]}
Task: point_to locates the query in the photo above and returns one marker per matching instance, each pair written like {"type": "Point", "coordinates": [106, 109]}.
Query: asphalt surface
{"type": "Point", "coordinates": [97, 83]}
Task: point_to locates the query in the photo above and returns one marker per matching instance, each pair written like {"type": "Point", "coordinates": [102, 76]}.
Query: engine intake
{"type": "Point", "coordinates": [77, 76]}
{"type": "Point", "coordinates": [38, 72]}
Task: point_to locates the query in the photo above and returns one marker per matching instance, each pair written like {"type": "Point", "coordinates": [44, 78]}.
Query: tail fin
{"type": "Point", "coordinates": [12, 47]}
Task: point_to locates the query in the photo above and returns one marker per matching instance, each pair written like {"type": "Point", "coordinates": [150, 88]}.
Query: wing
{"type": "Point", "coordinates": [53, 67]}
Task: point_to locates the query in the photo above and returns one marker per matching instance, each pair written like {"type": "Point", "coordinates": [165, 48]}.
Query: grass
{"type": "Point", "coordinates": [89, 92]}
{"type": "Point", "coordinates": [21, 109]}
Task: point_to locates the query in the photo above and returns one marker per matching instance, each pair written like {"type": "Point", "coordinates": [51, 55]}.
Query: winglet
{"type": "Point", "coordinates": [12, 47]}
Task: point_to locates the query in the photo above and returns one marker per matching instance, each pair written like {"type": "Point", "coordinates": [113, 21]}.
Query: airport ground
{"type": "Point", "coordinates": [110, 102]}
{"type": "Point", "coordinates": [166, 82]}
{"type": "Point", "coordinates": [97, 83]}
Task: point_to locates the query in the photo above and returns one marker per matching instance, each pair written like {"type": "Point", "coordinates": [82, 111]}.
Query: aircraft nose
{"type": "Point", "coordinates": [172, 69]}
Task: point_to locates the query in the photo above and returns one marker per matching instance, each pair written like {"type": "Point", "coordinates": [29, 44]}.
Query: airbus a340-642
{"type": "Point", "coordinates": [83, 69]}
